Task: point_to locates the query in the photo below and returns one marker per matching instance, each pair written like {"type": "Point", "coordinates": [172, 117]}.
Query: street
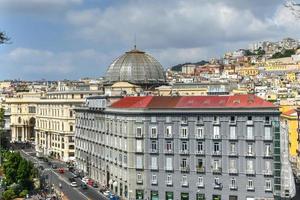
{"type": "Point", "coordinates": [72, 193]}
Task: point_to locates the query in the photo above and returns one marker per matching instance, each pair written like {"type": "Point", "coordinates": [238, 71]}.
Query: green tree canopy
{"type": "Point", "coordinates": [3, 38]}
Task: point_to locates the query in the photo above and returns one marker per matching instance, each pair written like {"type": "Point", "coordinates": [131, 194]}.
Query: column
{"type": "Point", "coordinates": [23, 134]}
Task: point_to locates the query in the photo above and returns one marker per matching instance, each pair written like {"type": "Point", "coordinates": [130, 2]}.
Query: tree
{"type": "Point", "coordinates": [4, 141]}
{"type": "Point", "coordinates": [8, 194]}
{"type": "Point", "coordinates": [3, 38]}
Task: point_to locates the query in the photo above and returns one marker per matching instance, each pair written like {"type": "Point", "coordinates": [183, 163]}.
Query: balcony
{"type": "Point", "coordinates": [153, 151]}
{"type": "Point", "coordinates": [216, 153]}
{"type": "Point", "coordinates": [200, 169]}
{"type": "Point", "coordinates": [250, 137]}
{"type": "Point", "coordinates": [169, 183]}
{"type": "Point", "coordinates": [168, 135]}
{"type": "Point", "coordinates": [216, 137]}
{"type": "Point", "coordinates": [218, 186]}
{"type": "Point", "coordinates": [201, 152]}
{"type": "Point", "coordinates": [268, 155]}
{"type": "Point", "coordinates": [267, 173]}
{"type": "Point", "coordinates": [217, 170]}
{"type": "Point", "coordinates": [233, 137]}
{"type": "Point", "coordinates": [199, 136]}
{"type": "Point", "coordinates": [139, 135]}
{"type": "Point", "coordinates": [139, 181]}
{"type": "Point", "coordinates": [184, 152]}
{"type": "Point", "coordinates": [153, 135]}
{"type": "Point", "coordinates": [233, 154]}
{"type": "Point", "coordinates": [183, 136]}
{"type": "Point", "coordinates": [233, 171]}
{"type": "Point", "coordinates": [154, 182]}
{"type": "Point", "coordinates": [268, 138]}
{"type": "Point", "coordinates": [184, 184]}
{"type": "Point", "coordinates": [185, 169]}
{"type": "Point", "coordinates": [250, 154]}
{"type": "Point", "coordinates": [200, 184]}
{"type": "Point", "coordinates": [250, 172]}
{"type": "Point", "coordinates": [249, 122]}
{"type": "Point", "coordinates": [250, 188]}
{"type": "Point", "coordinates": [233, 187]}
{"type": "Point", "coordinates": [168, 151]}
{"type": "Point", "coordinates": [268, 189]}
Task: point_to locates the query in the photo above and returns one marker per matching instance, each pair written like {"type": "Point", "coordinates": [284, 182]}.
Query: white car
{"type": "Point", "coordinates": [106, 193]}
{"type": "Point", "coordinates": [74, 184]}
{"type": "Point", "coordinates": [85, 180]}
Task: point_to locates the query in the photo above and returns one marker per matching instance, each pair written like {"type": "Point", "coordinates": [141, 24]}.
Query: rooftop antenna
{"type": "Point", "coordinates": [134, 41]}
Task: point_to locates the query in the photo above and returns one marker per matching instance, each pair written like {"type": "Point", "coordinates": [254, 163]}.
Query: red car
{"type": "Point", "coordinates": [61, 170]}
{"type": "Point", "coordinates": [90, 182]}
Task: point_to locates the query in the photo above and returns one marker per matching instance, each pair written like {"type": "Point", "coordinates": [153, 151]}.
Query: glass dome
{"type": "Point", "coordinates": [135, 67]}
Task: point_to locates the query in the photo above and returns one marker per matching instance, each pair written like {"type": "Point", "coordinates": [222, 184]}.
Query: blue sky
{"type": "Point", "coordinates": [69, 39]}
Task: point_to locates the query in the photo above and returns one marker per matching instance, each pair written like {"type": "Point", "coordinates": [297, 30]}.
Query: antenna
{"type": "Point", "coordinates": [134, 41]}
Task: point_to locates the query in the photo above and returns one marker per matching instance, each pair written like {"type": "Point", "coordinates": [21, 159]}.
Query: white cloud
{"type": "Point", "coordinates": [24, 62]}
{"type": "Point", "coordinates": [36, 6]}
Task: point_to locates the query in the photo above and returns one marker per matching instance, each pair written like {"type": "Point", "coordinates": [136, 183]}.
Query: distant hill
{"type": "Point", "coordinates": [179, 66]}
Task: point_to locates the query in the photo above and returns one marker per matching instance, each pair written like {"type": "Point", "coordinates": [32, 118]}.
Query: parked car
{"type": "Point", "coordinates": [74, 184]}
{"type": "Point", "coordinates": [95, 185]}
{"type": "Point", "coordinates": [61, 170]}
{"type": "Point", "coordinates": [72, 179]}
{"type": "Point", "coordinates": [84, 186]}
{"type": "Point", "coordinates": [85, 179]}
{"type": "Point", "coordinates": [106, 193]}
{"type": "Point", "coordinates": [90, 182]}
{"type": "Point", "coordinates": [54, 166]}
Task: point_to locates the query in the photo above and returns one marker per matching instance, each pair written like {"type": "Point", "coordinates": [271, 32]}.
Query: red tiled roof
{"type": "Point", "coordinates": [160, 102]}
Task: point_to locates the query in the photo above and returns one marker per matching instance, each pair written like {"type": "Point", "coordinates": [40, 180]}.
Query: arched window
{"type": "Point", "coordinates": [19, 120]}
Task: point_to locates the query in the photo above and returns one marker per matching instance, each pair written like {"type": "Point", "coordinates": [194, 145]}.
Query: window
{"type": "Point", "coordinates": [169, 164]}
{"type": "Point", "coordinates": [250, 132]}
{"type": "Point", "coordinates": [250, 167]}
{"type": "Point", "coordinates": [169, 179]}
{"type": "Point", "coordinates": [216, 120]}
{"type": "Point", "coordinates": [184, 119]}
{"type": "Point", "coordinates": [169, 147]}
{"type": "Point", "coordinates": [268, 169]}
{"type": "Point", "coordinates": [184, 180]}
{"type": "Point", "coordinates": [71, 113]}
{"type": "Point", "coordinates": [268, 133]}
{"type": "Point", "coordinates": [268, 185]}
{"type": "Point", "coordinates": [200, 148]}
{"type": "Point", "coordinates": [154, 163]}
{"type": "Point", "coordinates": [153, 132]}
{"type": "Point", "coordinates": [184, 133]}
{"type": "Point", "coordinates": [139, 132]}
{"type": "Point", "coordinates": [232, 166]}
{"type": "Point", "coordinates": [139, 162]}
{"type": "Point", "coordinates": [232, 132]}
{"type": "Point", "coordinates": [183, 163]}
{"type": "Point", "coordinates": [200, 181]}
{"type": "Point", "coordinates": [200, 165]}
{"type": "Point", "coordinates": [250, 185]}
{"type": "Point", "coordinates": [250, 150]}
{"type": "Point", "coordinates": [249, 118]}
{"type": "Point", "coordinates": [217, 183]}
{"type": "Point", "coordinates": [153, 118]}
{"type": "Point", "coordinates": [71, 128]}
{"type": "Point", "coordinates": [216, 134]}
{"type": "Point", "coordinates": [169, 131]}
{"type": "Point", "coordinates": [233, 183]}
{"type": "Point", "coordinates": [232, 119]}
{"type": "Point", "coordinates": [267, 150]}
{"type": "Point", "coordinates": [154, 179]}
{"type": "Point", "coordinates": [233, 150]}
{"type": "Point", "coordinates": [154, 148]}
{"type": "Point", "coordinates": [139, 178]}
{"type": "Point", "coordinates": [216, 148]}
{"type": "Point", "coordinates": [267, 120]}
{"type": "Point", "coordinates": [199, 133]}
{"type": "Point", "coordinates": [216, 165]}
{"type": "Point", "coordinates": [139, 147]}
{"type": "Point", "coordinates": [184, 147]}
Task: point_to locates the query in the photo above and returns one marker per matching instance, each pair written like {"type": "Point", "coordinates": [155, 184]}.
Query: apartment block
{"type": "Point", "coordinates": [200, 147]}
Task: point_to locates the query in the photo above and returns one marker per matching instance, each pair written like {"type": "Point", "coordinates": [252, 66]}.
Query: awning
{"type": "Point", "coordinates": [115, 184]}
{"type": "Point", "coordinates": [110, 182]}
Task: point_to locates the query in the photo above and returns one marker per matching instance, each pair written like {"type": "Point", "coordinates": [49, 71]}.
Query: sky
{"type": "Point", "coordinates": [71, 39]}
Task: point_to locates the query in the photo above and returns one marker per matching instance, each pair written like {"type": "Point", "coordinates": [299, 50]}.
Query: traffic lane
{"type": "Point", "coordinates": [66, 189]}
{"type": "Point", "coordinates": [92, 193]}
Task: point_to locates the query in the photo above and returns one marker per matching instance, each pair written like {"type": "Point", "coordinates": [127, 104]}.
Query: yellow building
{"type": "Point", "coordinates": [291, 76]}
{"type": "Point", "coordinates": [289, 118]}
{"type": "Point", "coordinates": [248, 71]}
